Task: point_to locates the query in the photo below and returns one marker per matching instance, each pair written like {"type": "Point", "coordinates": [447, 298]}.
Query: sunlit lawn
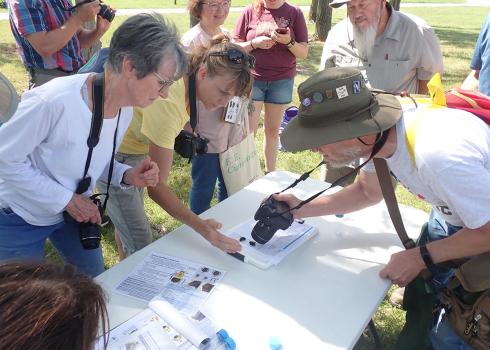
{"type": "Point", "coordinates": [457, 31]}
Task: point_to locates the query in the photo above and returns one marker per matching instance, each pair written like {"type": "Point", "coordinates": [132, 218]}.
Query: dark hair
{"type": "Point", "coordinates": [146, 39]}
{"type": "Point", "coordinates": [221, 65]}
{"type": "Point", "coordinates": [48, 306]}
{"type": "Point", "coordinates": [195, 8]}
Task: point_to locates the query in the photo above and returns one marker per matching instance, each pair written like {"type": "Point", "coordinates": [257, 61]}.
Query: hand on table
{"type": "Point", "coordinates": [403, 267]}
{"type": "Point", "coordinates": [217, 239]}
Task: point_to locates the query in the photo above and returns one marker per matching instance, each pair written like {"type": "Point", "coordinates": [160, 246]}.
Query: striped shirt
{"type": "Point", "coordinates": [32, 16]}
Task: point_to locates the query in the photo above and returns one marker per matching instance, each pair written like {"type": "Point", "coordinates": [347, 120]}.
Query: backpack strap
{"type": "Point", "coordinates": [470, 101]}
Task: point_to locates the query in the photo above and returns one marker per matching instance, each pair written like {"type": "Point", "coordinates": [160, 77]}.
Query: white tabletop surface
{"type": "Point", "coordinates": [320, 297]}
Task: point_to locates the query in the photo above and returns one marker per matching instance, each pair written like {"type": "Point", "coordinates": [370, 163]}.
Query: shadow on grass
{"type": "Point", "coordinates": [462, 38]}
{"type": "Point", "coordinates": [9, 54]}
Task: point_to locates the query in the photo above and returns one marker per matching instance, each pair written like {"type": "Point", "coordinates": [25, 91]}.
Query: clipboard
{"type": "Point", "coordinates": [283, 243]}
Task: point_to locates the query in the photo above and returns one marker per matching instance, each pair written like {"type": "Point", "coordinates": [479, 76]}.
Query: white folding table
{"type": "Point", "coordinates": [322, 296]}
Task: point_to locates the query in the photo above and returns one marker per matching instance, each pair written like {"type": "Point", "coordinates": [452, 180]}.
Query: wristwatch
{"type": "Point", "coordinates": [424, 252]}
{"type": "Point", "coordinates": [291, 43]}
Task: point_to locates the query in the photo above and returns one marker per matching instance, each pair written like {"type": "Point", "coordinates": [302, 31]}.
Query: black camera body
{"type": "Point", "coordinates": [106, 12]}
{"type": "Point", "coordinates": [272, 215]}
{"type": "Point", "coordinates": [188, 145]}
{"type": "Point", "coordinates": [89, 233]}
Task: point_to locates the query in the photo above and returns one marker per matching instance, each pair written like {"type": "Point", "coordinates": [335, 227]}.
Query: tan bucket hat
{"type": "Point", "coordinates": [8, 99]}
{"type": "Point", "coordinates": [336, 105]}
{"type": "Point", "coordinates": [338, 3]}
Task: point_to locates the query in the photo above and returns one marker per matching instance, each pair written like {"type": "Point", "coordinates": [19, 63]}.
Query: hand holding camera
{"type": "Point", "coordinates": [272, 215]}
{"type": "Point", "coordinates": [83, 209]}
{"type": "Point", "coordinates": [88, 9]}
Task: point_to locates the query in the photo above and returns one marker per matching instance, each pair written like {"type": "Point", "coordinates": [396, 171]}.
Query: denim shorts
{"type": "Point", "coordinates": [276, 92]}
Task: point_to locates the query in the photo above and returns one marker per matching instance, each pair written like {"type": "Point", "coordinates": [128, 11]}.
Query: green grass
{"type": "Point", "coordinates": [457, 31]}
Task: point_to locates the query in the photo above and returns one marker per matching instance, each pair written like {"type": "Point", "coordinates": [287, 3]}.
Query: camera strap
{"type": "Point", "coordinates": [381, 140]}
{"type": "Point", "coordinates": [193, 101]}
{"type": "Point", "coordinates": [94, 136]}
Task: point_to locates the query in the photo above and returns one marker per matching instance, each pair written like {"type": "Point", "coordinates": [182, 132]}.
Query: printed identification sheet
{"type": "Point", "coordinates": [183, 283]}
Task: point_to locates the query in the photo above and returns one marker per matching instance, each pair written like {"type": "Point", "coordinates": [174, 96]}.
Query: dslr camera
{"type": "Point", "coordinates": [272, 215]}
{"type": "Point", "coordinates": [188, 145]}
{"type": "Point", "coordinates": [105, 11]}
{"type": "Point", "coordinates": [89, 233]}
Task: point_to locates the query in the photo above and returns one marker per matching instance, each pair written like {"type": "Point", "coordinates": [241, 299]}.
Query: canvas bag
{"type": "Point", "coordinates": [240, 163]}
{"type": "Point", "coordinates": [467, 302]}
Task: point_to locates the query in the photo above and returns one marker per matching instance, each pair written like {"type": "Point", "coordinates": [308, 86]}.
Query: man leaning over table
{"type": "Point", "coordinates": [395, 52]}
{"type": "Point", "coordinates": [347, 123]}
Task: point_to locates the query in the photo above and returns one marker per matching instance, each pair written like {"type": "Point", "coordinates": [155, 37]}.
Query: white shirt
{"type": "Point", "coordinates": [43, 150]}
{"type": "Point", "coordinates": [452, 170]}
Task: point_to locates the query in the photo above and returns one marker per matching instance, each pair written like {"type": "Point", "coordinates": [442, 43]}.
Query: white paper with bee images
{"type": "Point", "coordinates": [155, 328]}
{"type": "Point", "coordinates": [283, 243]}
{"type": "Point", "coordinates": [183, 283]}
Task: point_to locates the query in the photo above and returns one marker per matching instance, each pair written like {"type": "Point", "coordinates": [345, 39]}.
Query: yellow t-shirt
{"type": "Point", "coordinates": [159, 123]}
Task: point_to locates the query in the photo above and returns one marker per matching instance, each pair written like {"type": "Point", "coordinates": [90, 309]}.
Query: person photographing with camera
{"type": "Point", "coordinates": [49, 35]}
{"type": "Point", "coordinates": [216, 73]}
{"type": "Point", "coordinates": [48, 161]}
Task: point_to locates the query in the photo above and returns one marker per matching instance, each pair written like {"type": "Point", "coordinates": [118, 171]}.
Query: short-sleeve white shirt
{"type": "Point", "coordinates": [452, 165]}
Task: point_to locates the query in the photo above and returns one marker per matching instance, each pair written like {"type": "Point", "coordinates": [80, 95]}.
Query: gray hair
{"type": "Point", "coordinates": [146, 39]}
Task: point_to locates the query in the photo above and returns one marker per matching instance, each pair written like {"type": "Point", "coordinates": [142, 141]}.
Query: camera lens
{"type": "Point", "coordinates": [262, 233]}
{"type": "Point", "coordinates": [89, 236]}
{"type": "Point", "coordinates": [106, 12]}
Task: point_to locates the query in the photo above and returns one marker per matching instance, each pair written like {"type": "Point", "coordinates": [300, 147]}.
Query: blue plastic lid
{"type": "Point", "coordinates": [275, 343]}
{"type": "Point", "coordinates": [222, 334]}
{"type": "Point", "coordinates": [230, 343]}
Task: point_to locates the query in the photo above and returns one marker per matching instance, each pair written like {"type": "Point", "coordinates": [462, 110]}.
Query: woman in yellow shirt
{"type": "Point", "coordinates": [222, 70]}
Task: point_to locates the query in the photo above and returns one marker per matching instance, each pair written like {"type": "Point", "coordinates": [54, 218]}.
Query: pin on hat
{"type": "Point", "coordinates": [349, 110]}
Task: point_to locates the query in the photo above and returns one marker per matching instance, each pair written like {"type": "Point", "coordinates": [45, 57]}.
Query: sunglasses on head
{"type": "Point", "coordinates": [236, 56]}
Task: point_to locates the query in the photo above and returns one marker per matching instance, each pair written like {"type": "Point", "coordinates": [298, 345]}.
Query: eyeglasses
{"type": "Point", "coordinates": [236, 57]}
{"type": "Point", "coordinates": [214, 6]}
{"type": "Point", "coordinates": [164, 83]}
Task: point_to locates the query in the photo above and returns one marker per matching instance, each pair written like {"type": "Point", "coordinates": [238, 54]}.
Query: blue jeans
{"type": "Point", "coordinates": [442, 336]}
{"type": "Point", "coordinates": [205, 171]}
{"type": "Point", "coordinates": [22, 241]}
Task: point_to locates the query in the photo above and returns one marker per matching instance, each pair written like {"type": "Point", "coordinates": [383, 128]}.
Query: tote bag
{"type": "Point", "coordinates": [240, 163]}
